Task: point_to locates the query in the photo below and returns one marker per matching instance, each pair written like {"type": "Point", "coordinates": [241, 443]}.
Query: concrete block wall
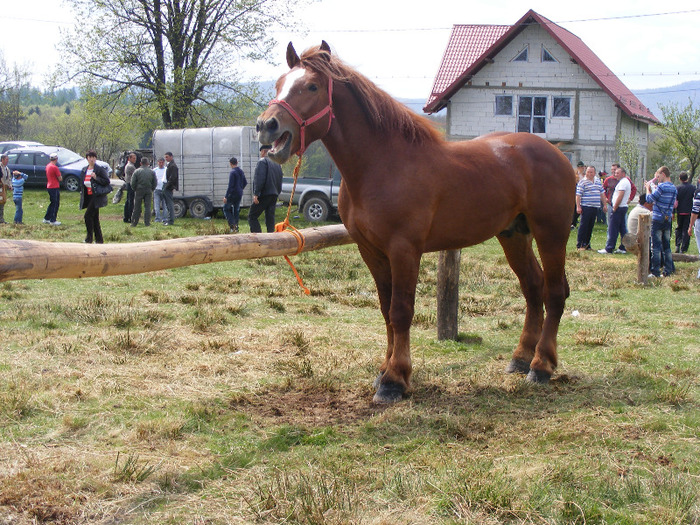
{"type": "Point", "coordinates": [589, 134]}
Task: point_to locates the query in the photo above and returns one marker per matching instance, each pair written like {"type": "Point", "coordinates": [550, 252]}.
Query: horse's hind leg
{"type": "Point", "coordinates": [521, 258]}
{"type": "Point", "coordinates": [552, 249]}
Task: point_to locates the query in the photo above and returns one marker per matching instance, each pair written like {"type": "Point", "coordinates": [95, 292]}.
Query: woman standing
{"type": "Point", "coordinates": [93, 196]}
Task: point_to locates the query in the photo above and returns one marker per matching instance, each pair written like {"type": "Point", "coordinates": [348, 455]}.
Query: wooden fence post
{"type": "Point", "coordinates": [448, 294]}
{"type": "Point", "coordinates": [643, 234]}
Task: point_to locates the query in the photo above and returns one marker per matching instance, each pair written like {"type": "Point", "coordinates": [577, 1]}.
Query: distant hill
{"type": "Point", "coordinates": [678, 94]}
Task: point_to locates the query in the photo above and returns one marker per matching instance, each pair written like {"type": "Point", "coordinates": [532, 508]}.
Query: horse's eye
{"type": "Point", "coordinates": [313, 87]}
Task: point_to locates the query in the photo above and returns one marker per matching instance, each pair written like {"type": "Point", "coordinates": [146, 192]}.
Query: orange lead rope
{"type": "Point", "coordinates": [285, 226]}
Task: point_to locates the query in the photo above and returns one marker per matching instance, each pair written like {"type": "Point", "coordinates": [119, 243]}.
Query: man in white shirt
{"type": "Point", "coordinates": [161, 215]}
{"type": "Point", "coordinates": [616, 225]}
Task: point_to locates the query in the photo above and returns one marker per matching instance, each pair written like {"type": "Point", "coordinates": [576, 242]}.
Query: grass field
{"type": "Point", "coordinates": [220, 394]}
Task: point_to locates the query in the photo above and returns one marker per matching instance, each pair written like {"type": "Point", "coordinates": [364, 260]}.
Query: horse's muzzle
{"type": "Point", "coordinates": [267, 127]}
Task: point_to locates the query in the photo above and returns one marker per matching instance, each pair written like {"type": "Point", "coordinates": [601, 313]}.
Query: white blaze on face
{"type": "Point", "coordinates": [289, 81]}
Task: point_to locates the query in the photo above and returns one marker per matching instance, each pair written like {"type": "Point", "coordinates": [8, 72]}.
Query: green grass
{"type": "Point", "coordinates": [222, 394]}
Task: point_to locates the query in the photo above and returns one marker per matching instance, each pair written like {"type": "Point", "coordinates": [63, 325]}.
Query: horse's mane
{"type": "Point", "coordinates": [382, 111]}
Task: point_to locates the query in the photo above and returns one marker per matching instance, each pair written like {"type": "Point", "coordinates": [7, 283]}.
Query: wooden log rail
{"type": "Point", "coordinates": [63, 260]}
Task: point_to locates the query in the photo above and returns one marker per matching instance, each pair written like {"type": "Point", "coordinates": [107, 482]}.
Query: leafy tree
{"type": "Point", "coordinates": [177, 54]}
{"type": "Point", "coordinates": [14, 83]}
{"type": "Point", "coordinates": [628, 152]}
{"type": "Point", "coordinates": [681, 130]}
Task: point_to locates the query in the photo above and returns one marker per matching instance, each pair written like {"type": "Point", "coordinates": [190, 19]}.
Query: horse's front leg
{"type": "Point", "coordinates": [380, 269]}
{"type": "Point", "coordinates": [396, 376]}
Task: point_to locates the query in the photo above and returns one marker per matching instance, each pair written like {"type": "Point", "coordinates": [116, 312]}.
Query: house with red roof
{"type": "Point", "coordinates": [537, 77]}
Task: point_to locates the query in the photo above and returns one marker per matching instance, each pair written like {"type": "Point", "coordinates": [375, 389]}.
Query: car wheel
{"type": "Point", "coordinates": [71, 183]}
{"type": "Point", "coordinates": [198, 208]}
{"type": "Point", "coordinates": [179, 208]}
{"type": "Point", "coordinates": [316, 209]}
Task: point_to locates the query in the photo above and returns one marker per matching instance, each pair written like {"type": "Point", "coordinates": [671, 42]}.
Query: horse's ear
{"type": "Point", "coordinates": [292, 57]}
{"type": "Point", "coordinates": [325, 47]}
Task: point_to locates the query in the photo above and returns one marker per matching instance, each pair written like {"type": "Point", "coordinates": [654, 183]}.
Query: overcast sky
{"type": "Point", "coordinates": [399, 43]}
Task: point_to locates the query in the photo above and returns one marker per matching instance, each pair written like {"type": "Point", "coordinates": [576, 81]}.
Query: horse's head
{"type": "Point", "coordinates": [302, 110]}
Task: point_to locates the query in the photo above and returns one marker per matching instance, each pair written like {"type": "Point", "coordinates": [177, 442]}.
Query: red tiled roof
{"type": "Point", "coordinates": [472, 46]}
{"type": "Point", "coordinates": [466, 46]}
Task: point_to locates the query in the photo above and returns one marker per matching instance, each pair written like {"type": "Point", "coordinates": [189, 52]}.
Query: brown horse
{"type": "Point", "coordinates": [407, 191]}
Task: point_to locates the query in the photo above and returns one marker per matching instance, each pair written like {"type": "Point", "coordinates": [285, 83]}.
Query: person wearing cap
{"type": "Point", "coordinates": [5, 184]}
{"type": "Point", "coordinates": [53, 186]}
{"type": "Point", "coordinates": [267, 185]}
{"type": "Point", "coordinates": [172, 175]}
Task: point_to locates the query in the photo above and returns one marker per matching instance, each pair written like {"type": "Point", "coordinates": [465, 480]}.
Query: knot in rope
{"type": "Point", "coordinates": [286, 226]}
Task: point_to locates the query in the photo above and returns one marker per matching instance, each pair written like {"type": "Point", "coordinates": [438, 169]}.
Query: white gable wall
{"type": "Point", "coordinates": [589, 134]}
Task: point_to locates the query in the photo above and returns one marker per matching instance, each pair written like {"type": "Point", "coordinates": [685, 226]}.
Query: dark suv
{"type": "Point", "coordinates": [33, 160]}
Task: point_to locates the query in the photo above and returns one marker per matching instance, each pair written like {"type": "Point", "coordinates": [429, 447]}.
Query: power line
{"type": "Point", "coordinates": [601, 19]}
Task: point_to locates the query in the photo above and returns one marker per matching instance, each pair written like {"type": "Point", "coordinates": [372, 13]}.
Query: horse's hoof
{"type": "Point", "coordinates": [389, 392]}
{"type": "Point", "coordinates": [539, 376]}
{"type": "Point", "coordinates": [518, 366]}
{"type": "Point", "coordinates": [377, 381]}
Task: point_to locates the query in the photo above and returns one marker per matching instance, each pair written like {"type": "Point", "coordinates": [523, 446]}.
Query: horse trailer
{"type": "Point", "coordinates": [202, 156]}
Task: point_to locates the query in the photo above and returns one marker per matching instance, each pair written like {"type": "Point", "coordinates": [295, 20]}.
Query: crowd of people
{"type": "Point", "coordinates": [613, 193]}
{"type": "Point", "coordinates": [144, 187]}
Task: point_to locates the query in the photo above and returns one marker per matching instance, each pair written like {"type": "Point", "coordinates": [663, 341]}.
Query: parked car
{"type": "Point", "coordinates": [32, 160]}
{"type": "Point", "coordinates": [317, 198]}
{"type": "Point", "coordinates": [7, 146]}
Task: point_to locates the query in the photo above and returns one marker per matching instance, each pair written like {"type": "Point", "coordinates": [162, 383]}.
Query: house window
{"type": "Point", "coordinates": [547, 56]}
{"type": "Point", "coordinates": [522, 56]}
{"type": "Point", "coordinates": [532, 114]}
{"type": "Point", "coordinates": [504, 105]}
{"type": "Point", "coordinates": [561, 107]}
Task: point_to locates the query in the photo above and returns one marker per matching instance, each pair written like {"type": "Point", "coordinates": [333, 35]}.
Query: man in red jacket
{"type": "Point", "coordinates": [53, 186]}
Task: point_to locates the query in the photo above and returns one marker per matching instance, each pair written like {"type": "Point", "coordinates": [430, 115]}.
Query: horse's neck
{"type": "Point", "coordinates": [352, 142]}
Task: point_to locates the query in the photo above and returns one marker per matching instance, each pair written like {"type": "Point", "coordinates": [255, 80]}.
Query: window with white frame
{"type": "Point", "coordinates": [522, 56]}
{"type": "Point", "coordinates": [547, 56]}
{"type": "Point", "coordinates": [504, 105]}
{"type": "Point", "coordinates": [532, 114]}
{"type": "Point", "coordinates": [561, 107]}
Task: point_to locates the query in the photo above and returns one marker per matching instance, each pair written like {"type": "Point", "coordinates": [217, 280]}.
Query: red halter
{"type": "Point", "coordinates": [303, 123]}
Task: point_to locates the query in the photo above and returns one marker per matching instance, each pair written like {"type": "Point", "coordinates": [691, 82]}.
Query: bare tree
{"type": "Point", "coordinates": [175, 54]}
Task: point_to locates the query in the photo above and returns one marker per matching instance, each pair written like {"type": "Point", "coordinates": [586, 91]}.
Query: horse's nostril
{"type": "Point", "coordinates": [271, 125]}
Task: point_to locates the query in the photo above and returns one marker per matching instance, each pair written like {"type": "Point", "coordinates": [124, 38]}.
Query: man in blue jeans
{"type": "Point", "coordinates": [663, 199]}
{"type": "Point", "coordinates": [618, 217]}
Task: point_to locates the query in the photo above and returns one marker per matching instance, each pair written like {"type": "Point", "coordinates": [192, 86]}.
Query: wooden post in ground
{"type": "Point", "coordinates": [643, 234]}
{"type": "Point", "coordinates": [448, 294]}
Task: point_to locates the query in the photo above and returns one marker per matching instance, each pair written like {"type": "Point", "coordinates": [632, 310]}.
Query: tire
{"type": "Point", "coordinates": [316, 209]}
{"type": "Point", "coordinates": [199, 208]}
{"type": "Point", "coordinates": [71, 183]}
{"type": "Point", "coordinates": [179, 208]}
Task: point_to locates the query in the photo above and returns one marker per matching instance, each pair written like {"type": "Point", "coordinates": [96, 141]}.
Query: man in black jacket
{"type": "Point", "coordinates": [685, 202]}
{"type": "Point", "coordinates": [171, 184]}
{"type": "Point", "coordinates": [267, 185]}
